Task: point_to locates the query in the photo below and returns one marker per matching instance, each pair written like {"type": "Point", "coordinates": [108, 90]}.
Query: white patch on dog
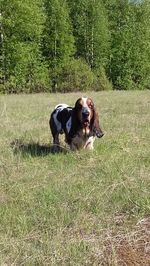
{"type": "Point", "coordinates": [61, 106]}
{"type": "Point", "coordinates": [57, 123]}
{"type": "Point", "coordinates": [84, 101]}
{"type": "Point", "coordinates": [89, 143]}
{"type": "Point", "coordinates": [68, 124]}
{"type": "Point", "coordinates": [58, 108]}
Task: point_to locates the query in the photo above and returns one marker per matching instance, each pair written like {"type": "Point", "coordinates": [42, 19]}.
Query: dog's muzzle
{"type": "Point", "coordinates": [85, 116]}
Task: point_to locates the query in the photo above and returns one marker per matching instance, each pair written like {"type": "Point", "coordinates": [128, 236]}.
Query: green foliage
{"type": "Point", "coordinates": [78, 76]}
{"type": "Point", "coordinates": [129, 66]}
{"type": "Point", "coordinates": [90, 27]}
{"type": "Point", "coordinates": [42, 40]}
{"type": "Point", "coordinates": [22, 25]}
{"type": "Point", "coordinates": [58, 41]}
{"type": "Point", "coordinates": [101, 81]}
{"type": "Point", "coordinates": [28, 73]}
{"type": "Point", "coordinates": [75, 76]}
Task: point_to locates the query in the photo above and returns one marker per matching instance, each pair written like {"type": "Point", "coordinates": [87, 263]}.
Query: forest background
{"type": "Point", "coordinates": [65, 45]}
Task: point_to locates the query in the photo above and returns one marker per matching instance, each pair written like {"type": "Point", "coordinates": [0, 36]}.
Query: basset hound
{"type": "Point", "coordinates": [80, 124]}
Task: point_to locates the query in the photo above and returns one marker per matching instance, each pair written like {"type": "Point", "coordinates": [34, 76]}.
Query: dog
{"type": "Point", "coordinates": [80, 124]}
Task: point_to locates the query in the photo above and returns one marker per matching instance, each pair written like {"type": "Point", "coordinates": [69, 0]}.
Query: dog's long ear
{"type": "Point", "coordinates": [97, 131]}
{"type": "Point", "coordinates": [75, 125]}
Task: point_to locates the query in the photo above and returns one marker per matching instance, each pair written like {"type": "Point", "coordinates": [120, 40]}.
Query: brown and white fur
{"type": "Point", "coordinates": [80, 124]}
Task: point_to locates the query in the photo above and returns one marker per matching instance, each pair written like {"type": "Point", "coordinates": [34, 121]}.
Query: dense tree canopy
{"type": "Point", "coordinates": [22, 27]}
{"type": "Point", "coordinates": [46, 43]}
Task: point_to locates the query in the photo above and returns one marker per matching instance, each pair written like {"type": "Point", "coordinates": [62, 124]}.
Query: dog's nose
{"type": "Point", "coordinates": [85, 112]}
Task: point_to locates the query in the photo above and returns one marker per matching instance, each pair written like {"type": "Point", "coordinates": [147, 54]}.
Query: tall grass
{"type": "Point", "coordinates": [75, 208]}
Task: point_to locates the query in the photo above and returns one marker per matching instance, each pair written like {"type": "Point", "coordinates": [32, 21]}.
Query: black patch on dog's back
{"type": "Point", "coordinates": [64, 115]}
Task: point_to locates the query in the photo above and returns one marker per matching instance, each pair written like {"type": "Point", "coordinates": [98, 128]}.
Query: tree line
{"type": "Point", "coordinates": [65, 45]}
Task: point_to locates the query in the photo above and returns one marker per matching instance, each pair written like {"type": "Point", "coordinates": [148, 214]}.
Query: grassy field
{"type": "Point", "coordinates": [75, 208]}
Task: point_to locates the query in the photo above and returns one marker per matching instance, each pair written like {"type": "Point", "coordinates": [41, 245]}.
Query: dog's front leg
{"type": "Point", "coordinates": [89, 144]}
{"type": "Point", "coordinates": [56, 143]}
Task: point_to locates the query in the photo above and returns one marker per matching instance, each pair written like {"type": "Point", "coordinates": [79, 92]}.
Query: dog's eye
{"type": "Point", "coordinates": [91, 106]}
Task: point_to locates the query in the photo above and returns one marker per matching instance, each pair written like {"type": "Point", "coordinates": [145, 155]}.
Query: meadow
{"type": "Point", "coordinates": [75, 208]}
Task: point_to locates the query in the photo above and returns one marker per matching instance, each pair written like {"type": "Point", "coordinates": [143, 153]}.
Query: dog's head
{"type": "Point", "coordinates": [87, 116]}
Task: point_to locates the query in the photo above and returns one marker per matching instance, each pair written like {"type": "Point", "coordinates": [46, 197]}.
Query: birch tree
{"type": "Point", "coordinates": [58, 42]}
{"type": "Point", "coordinates": [90, 28]}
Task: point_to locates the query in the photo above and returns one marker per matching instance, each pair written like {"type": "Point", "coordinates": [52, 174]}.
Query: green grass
{"type": "Point", "coordinates": [75, 208]}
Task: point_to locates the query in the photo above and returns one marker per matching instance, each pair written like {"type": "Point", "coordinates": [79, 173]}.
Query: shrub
{"type": "Point", "coordinates": [36, 81]}
{"type": "Point", "coordinates": [101, 82]}
{"type": "Point", "coordinates": [74, 76]}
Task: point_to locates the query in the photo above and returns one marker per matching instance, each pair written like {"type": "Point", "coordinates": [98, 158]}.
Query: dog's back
{"type": "Point", "coordinates": [59, 120]}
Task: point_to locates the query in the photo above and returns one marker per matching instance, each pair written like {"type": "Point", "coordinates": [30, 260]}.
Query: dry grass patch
{"type": "Point", "coordinates": [132, 248]}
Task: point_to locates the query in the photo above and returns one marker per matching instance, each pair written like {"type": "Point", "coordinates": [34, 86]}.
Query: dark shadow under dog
{"type": "Point", "coordinates": [35, 149]}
